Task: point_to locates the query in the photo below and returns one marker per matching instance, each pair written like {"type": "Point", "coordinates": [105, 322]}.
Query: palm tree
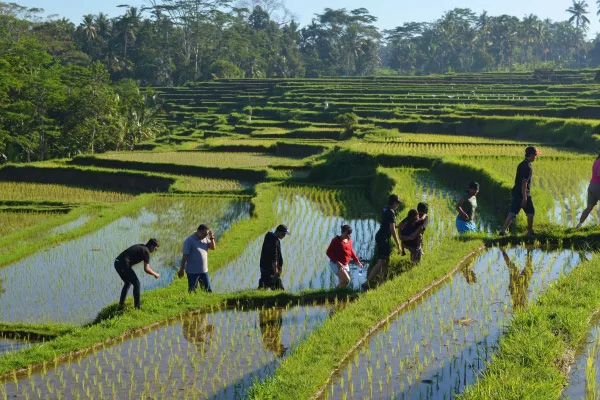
{"type": "Point", "coordinates": [578, 11]}
{"type": "Point", "coordinates": [127, 26]}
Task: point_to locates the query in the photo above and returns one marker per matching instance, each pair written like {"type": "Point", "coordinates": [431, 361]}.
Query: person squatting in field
{"type": "Point", "coordinates": [124, 266]}
{"type": "Point", "coordinates": [422, 209]}
{"type": "Point", "coordinates": [340, 252]}
{"type": "Point", "coordinates": [467, 204]}
{"type": "Point", "coordinates": [411, 235]}
{"type": "Point", "coordinates": [386, 231]}
{"type": "Point", "coordinates": [195, 258]}
{"type": "Point", "coordinates": [521, 192]}
{"type": "Point", "coordinates": [271, 259]}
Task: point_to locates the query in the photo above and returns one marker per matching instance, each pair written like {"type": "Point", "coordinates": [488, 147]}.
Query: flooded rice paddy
{"type": "Point", "coordinates": [439, 345]}
{"type": "Point", "coordinates": [585, 372]}
{"type": "Point", "coordinates": [74, 280]}
{"type": "Point", "coordinates": [305, 264]}
{"type": "Point", "coordinates": [70, 226]}
{"type": "Point", "coordinates": [216, 355]}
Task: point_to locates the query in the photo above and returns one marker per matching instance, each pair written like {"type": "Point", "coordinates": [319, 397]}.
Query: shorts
{"type": "Point", "coordinates": [465, 226]}
{"type": "Point", "coordinates": [335, 269]}
{"type": "Point", "coordinates": [415, 253]}
{"type": "Point", "coordinates": [515, 206]}
{"type": "Point", "coordinates": [383, 250]}
{"type": "Point", "coordinates": [593, 195]}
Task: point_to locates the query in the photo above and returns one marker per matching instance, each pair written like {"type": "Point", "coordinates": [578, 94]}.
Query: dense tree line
{"type": "Point", "coordinates": [170, 42]}
{"type": "Point", "coordinates": [55, 100]}
{"type": "Point", "coordinates": [68, 88]}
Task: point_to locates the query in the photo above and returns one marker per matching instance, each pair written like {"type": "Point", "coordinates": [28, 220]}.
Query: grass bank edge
{"type": "Point", "coordinates": [308, 368]}
{"type": "Point", "coordinates": [536, 348]}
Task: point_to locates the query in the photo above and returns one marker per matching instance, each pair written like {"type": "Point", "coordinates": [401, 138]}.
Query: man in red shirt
{"type": "Point", "coordinates": [340, 253]}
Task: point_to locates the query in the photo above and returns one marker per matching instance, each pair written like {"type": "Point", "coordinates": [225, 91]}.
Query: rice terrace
{"type": "Point", "coordinates": [205, 199]}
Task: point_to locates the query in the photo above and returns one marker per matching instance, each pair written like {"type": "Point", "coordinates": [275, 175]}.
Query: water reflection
{"type": "Point", "coordinates": [217, 356]}
{"type": "Point", "coordinates": [74, 280]}
{"type": "Point", "coordinates": [436, 347]}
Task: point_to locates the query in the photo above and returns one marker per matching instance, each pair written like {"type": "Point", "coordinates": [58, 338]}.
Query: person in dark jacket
{"type": "Point", "coordinates": [271, 260]}
{"type": "Point", "coordinates": [124, 263]}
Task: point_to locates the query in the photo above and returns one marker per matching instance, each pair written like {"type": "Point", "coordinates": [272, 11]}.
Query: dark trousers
{"type": "Point", "coordinates": [130, 278]}
{"type": "Point", "coordinates": [268, 280]}
{"type": "Point", "coordinates": [202, 278]}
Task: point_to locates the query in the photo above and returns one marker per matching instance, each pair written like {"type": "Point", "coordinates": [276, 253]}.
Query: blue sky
{"type": "Point", "coordinates": [391, 13]}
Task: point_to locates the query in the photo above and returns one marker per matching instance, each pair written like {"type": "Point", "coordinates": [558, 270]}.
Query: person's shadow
{"type": "Point", "coordinates": [519, 280]}
{"type": "Point", "coordinates": [271, 321]}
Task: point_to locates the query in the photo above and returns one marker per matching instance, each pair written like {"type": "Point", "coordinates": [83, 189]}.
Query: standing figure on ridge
{"type": "Point", "coordinates": [382, 240]}
{"type": "Point", "coordinates": [521, 192]}
{"type": "Point", "coordinates": [271, 260]}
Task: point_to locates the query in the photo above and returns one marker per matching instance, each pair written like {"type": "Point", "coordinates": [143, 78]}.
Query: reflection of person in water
{"type": "Point", "coordinates": [271, 320]}
{"type": "Point", "coordinates": [519, 280]}
{"type": "Point", "coordinates": [196, 329]}
{"type": "Point", "coordinates": [469, 275]}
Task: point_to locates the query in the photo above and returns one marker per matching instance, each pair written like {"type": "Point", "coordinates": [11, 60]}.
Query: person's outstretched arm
{"type": "Point", "coordinates": [149, 271]}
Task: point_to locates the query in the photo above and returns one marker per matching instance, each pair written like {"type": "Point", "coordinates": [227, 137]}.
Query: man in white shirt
{"type": "Point", "coordinates": [195, 258]}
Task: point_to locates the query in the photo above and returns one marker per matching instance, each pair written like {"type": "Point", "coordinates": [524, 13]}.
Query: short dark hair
{"type": "Point", "coordinates": [412, 214]}
{"type": "Point", "coordinates": [423, 207]}
{"type": "Point", "coordinates": [282, 228]}
{"type": "Point", "coordinates": [346, 228]}
{"type": "Point", "coordinates": [153, 243]}
{"type": "Point", "coordinates": [474, 185]}
{"type": "Point", "coordinates": [202, 227]}
{"type": "Point", "coordinates": [393, 199]}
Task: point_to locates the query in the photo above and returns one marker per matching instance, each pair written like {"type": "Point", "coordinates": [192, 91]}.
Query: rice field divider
{"type": "Point", "coordinates": [251, 300]}
{"type": "Point", "coordinates": [104, 215]}
{"type": "Point", "coordinates": [533, 355]}
{"type": "Point", "coordinates": [395, 312]}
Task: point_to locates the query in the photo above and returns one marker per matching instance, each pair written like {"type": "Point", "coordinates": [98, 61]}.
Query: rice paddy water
{"type": "Point", "coordinates": [74, 280]}
{"type": "Point", "coordinates": [305, 264]}
{"type": "Point", "coordinates": [216, 355]}
{"type": "Point", "coordinates": [437, 346]}
{"type": "Point", "coordinates": [585, 371]}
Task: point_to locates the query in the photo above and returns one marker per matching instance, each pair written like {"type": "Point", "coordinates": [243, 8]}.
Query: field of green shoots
{"type": "Point", "coordinates": [514, 316]}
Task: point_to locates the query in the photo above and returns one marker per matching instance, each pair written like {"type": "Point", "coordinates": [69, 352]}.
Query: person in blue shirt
{"type": "Point", "coordinates": [195, 258]}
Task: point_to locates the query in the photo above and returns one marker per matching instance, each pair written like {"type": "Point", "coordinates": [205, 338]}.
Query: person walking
{"type": "Point", "coordinates": [340, 252]}
{"type": "Point", "coordinates": [271, 259]}
{"type": "Point", "coordinates": [195, 258]}
{"type": "Point", "coordinates": [124, 266]}
{"type": "Point", "coordinates": [593, 193]}
{"type": "Point", "coordinates": [467, 204]}
{"type": "Point", "coordinates": [521, 192]}
{"type": "Point", "coordinates": [386, 231]}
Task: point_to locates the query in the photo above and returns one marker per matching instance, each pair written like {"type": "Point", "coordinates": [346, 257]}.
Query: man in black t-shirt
{"type": "Point", "coordinates": [124, 263]}
{"type": "Point", "coordinates": [383, 248]}
{"type": "Point", "coordinates": [271, 260]}
{"type": "Point", "coordinates": [521, 192]}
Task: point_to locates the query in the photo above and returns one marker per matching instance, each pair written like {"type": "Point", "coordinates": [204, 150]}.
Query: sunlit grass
{"type": "Point", "coordinates": [21, 191]}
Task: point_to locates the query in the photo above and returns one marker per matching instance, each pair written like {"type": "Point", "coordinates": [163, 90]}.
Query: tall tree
{"type": "Point", "coordinates": [578, 13]}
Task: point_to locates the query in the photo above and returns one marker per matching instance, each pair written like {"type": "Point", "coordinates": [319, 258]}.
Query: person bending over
{"type": "Point", "coordinates": [412, 235]}
{"type": "Point", "coordinates": [124, 266]}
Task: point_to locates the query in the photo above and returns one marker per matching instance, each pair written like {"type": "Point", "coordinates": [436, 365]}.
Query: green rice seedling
{"type": "Point", "coordinates": [41, 192]}
{"type": "Point", "coordinates": [201, 158]}
{"type": "Point", "coordinates": [79, 277]}
{"type": "Point", "coordinates": [315, 217]}
{"type": "Point", "coordinates": [453, 312]}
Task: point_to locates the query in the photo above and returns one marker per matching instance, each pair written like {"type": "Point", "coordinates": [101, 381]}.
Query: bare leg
{"type": "Point", "coordinates": [530, 224]}
{"type": "Point", "coordinates": [343, 278]}
{"type": "Point", "coordinates": [507, 223]}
